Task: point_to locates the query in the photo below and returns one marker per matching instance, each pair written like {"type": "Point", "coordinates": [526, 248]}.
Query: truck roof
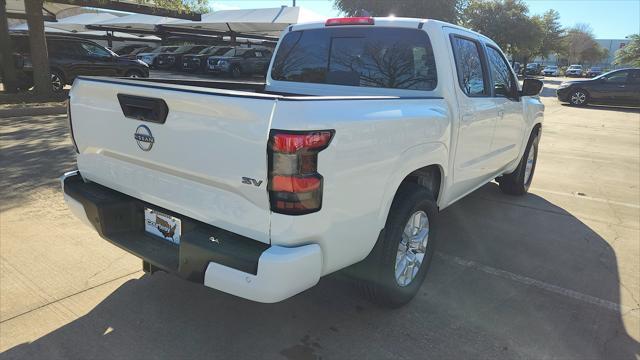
{"type": "Point", "coordinates": [392, 21]}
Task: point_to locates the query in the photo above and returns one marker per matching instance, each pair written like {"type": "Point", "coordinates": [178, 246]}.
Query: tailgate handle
{"type": "Point", "coordinates": [143, 108]}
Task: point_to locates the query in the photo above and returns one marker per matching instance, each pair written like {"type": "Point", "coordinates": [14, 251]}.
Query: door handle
{"type": "Point", "coordinates": [467, 118]}
{"type": "Point", "coordinates": [621, 86]}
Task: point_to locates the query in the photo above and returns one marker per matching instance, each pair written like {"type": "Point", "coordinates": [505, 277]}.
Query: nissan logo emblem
{"type": "Point", "coordinates": [144, 138]}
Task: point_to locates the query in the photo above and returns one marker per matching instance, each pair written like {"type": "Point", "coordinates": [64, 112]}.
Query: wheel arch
{"type": "Point", "coordinates": [424, 165]}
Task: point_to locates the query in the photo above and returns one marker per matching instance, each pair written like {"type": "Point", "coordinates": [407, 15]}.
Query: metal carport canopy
{"type": "Point", "coordinates": [133, 23]}
{"type": "Point", "coordinates": [260, 22]}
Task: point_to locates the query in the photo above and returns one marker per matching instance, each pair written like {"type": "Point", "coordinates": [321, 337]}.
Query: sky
{"type": "Point", "coordinates": [609, 19]}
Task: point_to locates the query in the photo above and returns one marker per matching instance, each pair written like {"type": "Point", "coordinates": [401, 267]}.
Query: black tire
{"type": "Point", "coordinates": [57, 81]}
{"type": "Point", "coordinates": [579, 97]}
{"type": "Point", "coordinates": [376, 274]}
{"type": "Point", "coordinates": [134, 74]}
{"type": "Point", "coordinates": [235, 71]}
{"type": "Point", "coordinates": [515, 182]}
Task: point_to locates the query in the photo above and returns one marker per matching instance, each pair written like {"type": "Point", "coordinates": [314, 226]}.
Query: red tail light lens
{"type": "Point", "coordinates": [295, 187]}
{"type": "Point", "coordinates": [291, 143]}
{"type": "Point", "coordinates": [360, 20]}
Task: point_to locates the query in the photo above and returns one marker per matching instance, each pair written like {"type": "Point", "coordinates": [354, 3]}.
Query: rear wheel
{"type": "Point", "coordinates": [133, 74]}
{"type": "Point", "coordinates": [57, 81]}
{"type": "Point", "coordinates": [395, 269]}
{"type": "Point", "coordinates": [518, 182]}
{"type": "Point", "coordinates": [579, 97]}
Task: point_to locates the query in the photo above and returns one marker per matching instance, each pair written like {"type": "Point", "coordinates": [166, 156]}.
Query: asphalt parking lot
{"type": "Point", "coordinates": [554, 274]}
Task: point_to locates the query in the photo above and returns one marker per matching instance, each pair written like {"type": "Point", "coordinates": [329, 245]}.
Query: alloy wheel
{"type": "Point", "coordinates": [412, 248]}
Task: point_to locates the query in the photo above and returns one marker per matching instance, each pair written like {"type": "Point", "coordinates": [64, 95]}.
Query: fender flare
{"type": "Point", "coordinates": [410, 160]}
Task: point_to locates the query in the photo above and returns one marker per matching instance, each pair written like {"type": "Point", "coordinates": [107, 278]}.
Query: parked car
{"type": "Point", "coordinates": [129, 48]}
{"type": "Point", "coordinates": [594, 71]}
{"type": "Point", "coordinates": [533, 69]}
{"type": "Point", "coordinates": [150, 58]}
{"type": "Point", "coordinates": [70, 57]}
{"type": "Point", "coordinates": [173, 59]}
{"type": "Point", "coordinates": [198, 62]}
{"type": "Point", "coordinates": [551, 70]}
{"type": "Point", "coordinates": [574, 71]}
{"type": "Point", "coordinates": [618, 87]}
{"type": "Point", "coordinates": [240, 61]}
{"type": "Point", "coordinates": [364, 149]}
{"type": "Point", "coordinates": [134, 54]}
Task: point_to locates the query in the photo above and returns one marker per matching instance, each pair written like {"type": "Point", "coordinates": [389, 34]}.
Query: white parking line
{"type": "Point", "coordinates": [606, 201]}
{"type": "Point", "coordinates": [609, 305]}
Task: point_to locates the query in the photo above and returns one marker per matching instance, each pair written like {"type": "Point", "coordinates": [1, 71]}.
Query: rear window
{"type": "Point", "coordinates": [368, 57]}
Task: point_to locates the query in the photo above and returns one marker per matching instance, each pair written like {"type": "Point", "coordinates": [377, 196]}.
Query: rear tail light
{"type": "Point", "coordinates": [70, 124]}
{"type": "Point", "coordinates": [295, 186]}
{"type": "Point", "coordinates": [360, 20]}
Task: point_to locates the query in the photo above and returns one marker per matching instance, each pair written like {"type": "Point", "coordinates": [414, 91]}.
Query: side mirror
{"type": "Point", "coordinates": [531, 87]}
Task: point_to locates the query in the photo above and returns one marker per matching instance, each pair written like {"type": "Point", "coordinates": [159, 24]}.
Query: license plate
{"type": "Point", "coordinates": [162, 225]}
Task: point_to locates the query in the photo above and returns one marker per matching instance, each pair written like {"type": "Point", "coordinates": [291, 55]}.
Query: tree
{"type": "Point", "coordinates": [506, 22]}
{"type": "Point", "coordinates": [38, 47]}
{"type": "Point", "coordinates": [581, 46]}
{"type": "Point", "coordinates": [198, 6]}
{"type": "Point", "coordinates": [630, 54]}
{"type": "Point", "coordinates": [8, 70]}
{"type": "Point", "coordinates": [552, 34]}
{"type": "Point", "coordinates": [446, 10]}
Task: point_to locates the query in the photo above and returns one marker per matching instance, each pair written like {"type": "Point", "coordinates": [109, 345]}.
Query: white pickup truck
{"type": "Point", "coordinates": [364, 130]}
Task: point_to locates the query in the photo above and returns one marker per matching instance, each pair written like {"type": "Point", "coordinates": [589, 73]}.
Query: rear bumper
{"type": "Point", "coordinates": [208, 255]}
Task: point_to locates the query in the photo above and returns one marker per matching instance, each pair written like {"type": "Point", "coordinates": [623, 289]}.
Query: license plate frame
{"type": "Point", "coordinates": [162, 225]}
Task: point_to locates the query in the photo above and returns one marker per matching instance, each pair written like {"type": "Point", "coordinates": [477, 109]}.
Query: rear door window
{"type": "Point", "coordinates": [382, 57]}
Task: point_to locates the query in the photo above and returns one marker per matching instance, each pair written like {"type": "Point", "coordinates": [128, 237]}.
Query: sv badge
{"type": "Point", "coordinates": [250, 181]}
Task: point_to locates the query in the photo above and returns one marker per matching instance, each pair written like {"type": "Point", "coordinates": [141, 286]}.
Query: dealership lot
{"type": "Point", "coordinates": [552, 274]}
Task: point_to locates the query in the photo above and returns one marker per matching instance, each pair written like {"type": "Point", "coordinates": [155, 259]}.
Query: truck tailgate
{"type": "Point", "coordinates": [209, 142]}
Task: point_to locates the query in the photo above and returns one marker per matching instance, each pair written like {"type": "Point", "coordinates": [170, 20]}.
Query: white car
{"type": "Point", "coordinates": [345, 156]}
{"type": "Point", "coordinates": [574, 71]}
{"type": "Point", "coordinates": [551, 71]}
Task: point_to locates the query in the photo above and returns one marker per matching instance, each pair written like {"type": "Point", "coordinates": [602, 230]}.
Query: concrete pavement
{"type": "Point", "coordinates": [554, 274]}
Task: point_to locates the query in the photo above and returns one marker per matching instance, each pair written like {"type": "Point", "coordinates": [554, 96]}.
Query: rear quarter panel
{"type": "Point", "coordinates": [376, 144]}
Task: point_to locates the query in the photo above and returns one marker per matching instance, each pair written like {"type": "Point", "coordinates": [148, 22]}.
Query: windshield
{"type": "Point", "coordinates": [164, 49]}
{"type": "Point", "coordinates": [207, 51]}
{"type": "Point", "coordinates": [552, 67]}
{"type": "Point", "coordinates": [220, 51]}
{"type": "Point", "coordinates": [575, 67]}
{"type": "Point", "coordinates": [383, 57]}
{"type": "Point", "coordinates": [184, 48]}
{"type": "Point", "coordinates": [605, 75]}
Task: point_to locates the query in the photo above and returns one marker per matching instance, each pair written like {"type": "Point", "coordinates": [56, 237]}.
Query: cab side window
{"type": "Point", "coordinates": [471, 75]}
{"type": "Point", "coordinates": [504, 84]}
{"type": "Point", "coordinates": [94, 50]}
{"type": "Point", "coordinates": [64, 48]}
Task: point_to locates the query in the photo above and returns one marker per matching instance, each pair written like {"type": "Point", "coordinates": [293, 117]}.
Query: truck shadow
{"type": "Point", "coordinates": [478, 302]}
